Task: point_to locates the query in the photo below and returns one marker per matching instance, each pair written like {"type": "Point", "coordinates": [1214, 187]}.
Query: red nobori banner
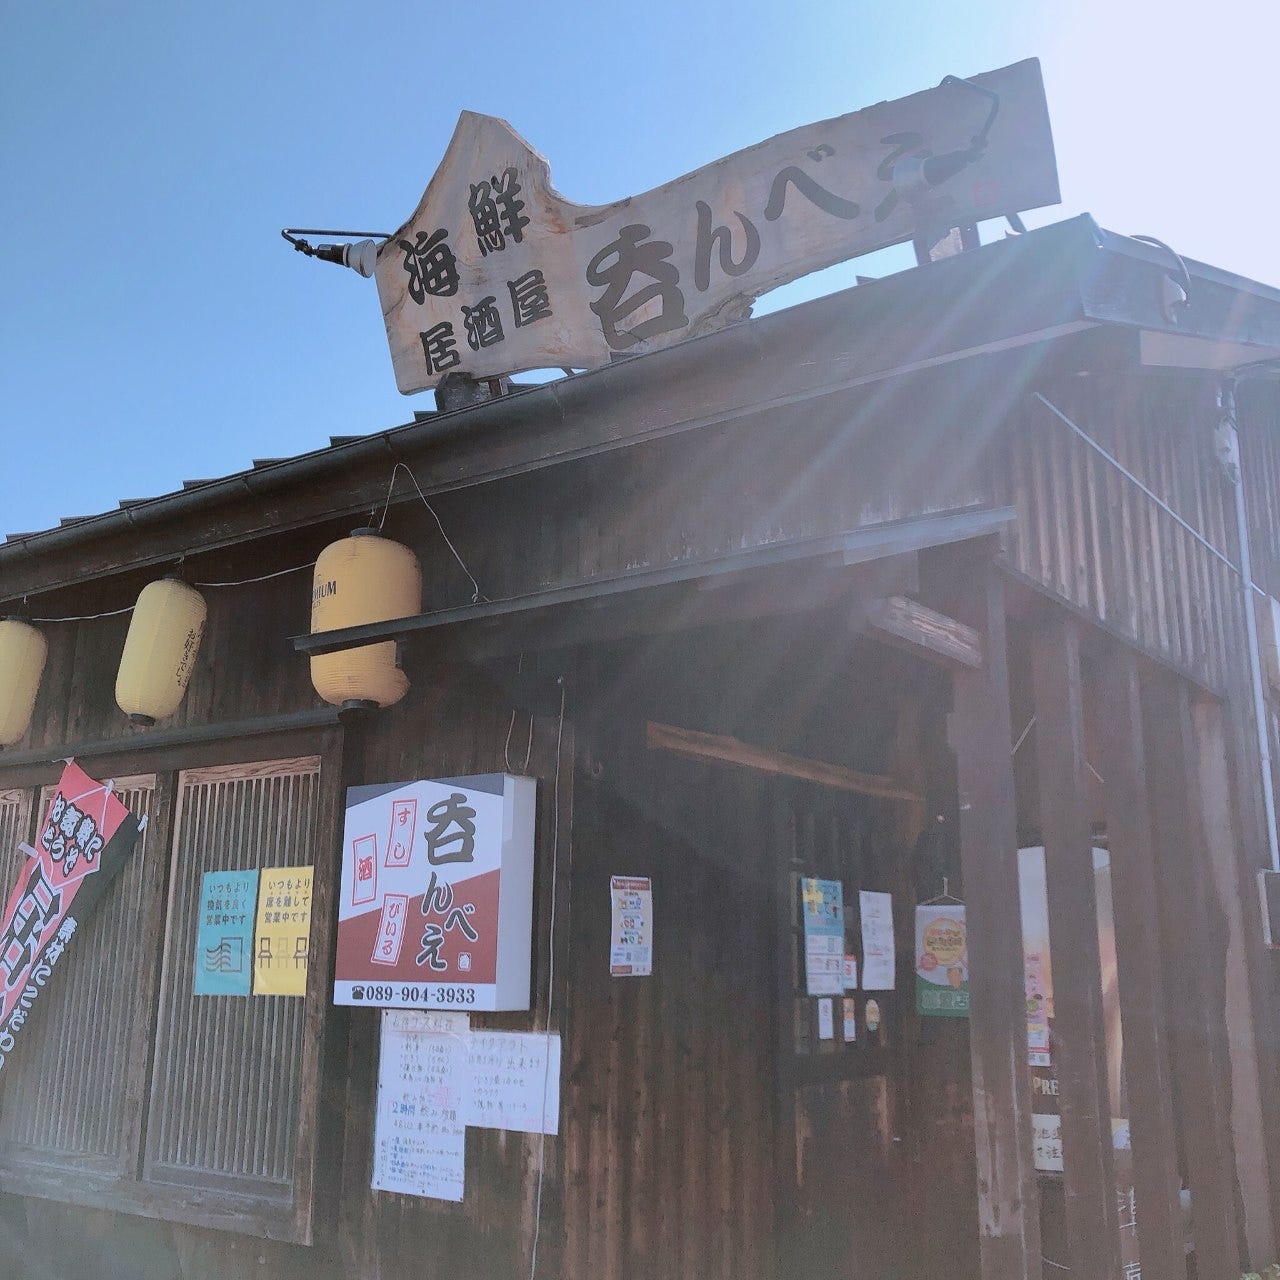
{"type": "Point", "coordinates": [84, 839]}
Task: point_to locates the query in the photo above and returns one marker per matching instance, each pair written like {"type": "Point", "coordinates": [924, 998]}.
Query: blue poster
{"type": "Point", "coordinates": [823, 902]}
{"type": "Point", "coordinates": [224, 938]}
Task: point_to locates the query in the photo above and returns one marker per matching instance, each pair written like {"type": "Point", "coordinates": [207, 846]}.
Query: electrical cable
{"type": "Point", "coordinates": [238, 582]}
{"type": "Point", "coordinates": [506, 747]}
{"type": "Point", "coordinates": [478, 595]}
{"type": "Point", "coordinates": [85, 617]}
{"type": "Point", "coordinates": [551, 987]}
{"type": "Point", "coordinates": [243, 582]}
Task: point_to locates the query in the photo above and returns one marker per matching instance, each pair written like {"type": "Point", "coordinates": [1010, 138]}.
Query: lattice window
{"type": "Point", "coordinates": [71, 1070]}
{"type": "Point", "coordinates": [226, 1081]}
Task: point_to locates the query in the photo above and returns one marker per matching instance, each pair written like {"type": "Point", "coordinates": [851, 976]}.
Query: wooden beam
{"type": "Point", "coordinates": [1244, 1015]}
{"type": "Point", "coordinates": [1121, 756]}
{"type": "Point", "coordinates": [922, 630]}
{"type": "Point", "coordinates": [133, 741]}
{"type": "Point", "coordinates": [1194, 936]}
{"type": "Point", "coordinates": [1080, 1047]}
{"type": "Point", "coordinates": [979, 731]}
{"type": "Point", "coordinates": [725, 750]}
{"type": "Point", "coordinates": [842, 550]}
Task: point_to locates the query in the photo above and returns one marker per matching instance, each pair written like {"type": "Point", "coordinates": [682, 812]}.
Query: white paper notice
{"type": "Point", "coordinates": [877, 941]}
{"type": "Point", "coordinates": [420, 1136]}
{"type": "Point", "coordinates": [515, 1081]}
{"type": "Point", "coordinates": [1046, 1135]}
{"type": "Point", "coordinates": [631, 945]}
{"type": "Point", "coordinates": [849, 974]}
{"type": "Point", "coordinates": [826, 1019]}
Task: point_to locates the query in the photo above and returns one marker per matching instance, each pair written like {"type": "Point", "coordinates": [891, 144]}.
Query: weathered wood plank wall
{"type": "Point", "coordinates": [934, 442]}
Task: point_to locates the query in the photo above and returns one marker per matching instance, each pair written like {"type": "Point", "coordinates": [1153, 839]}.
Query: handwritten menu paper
{"type": "Point", "coordinates": [515, 1081]}
{"type": "Point", "coordinates": [420, 1135]}
{"type": "Point", "coordinates": [877, 941]}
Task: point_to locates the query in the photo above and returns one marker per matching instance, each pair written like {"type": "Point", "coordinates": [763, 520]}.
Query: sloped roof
{"type": "Point", "coordinates": [1066, 277]}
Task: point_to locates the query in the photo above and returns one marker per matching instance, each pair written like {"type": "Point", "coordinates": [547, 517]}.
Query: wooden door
{"type": "Point", "coordinates": [839, 1175]}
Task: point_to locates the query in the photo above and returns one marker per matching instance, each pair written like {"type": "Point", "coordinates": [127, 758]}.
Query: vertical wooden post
{"type": "Point", "coordinates": [1243, 1012]}
{"type": "Point", "coordinates": [1008, 1197]}
{"type": "Point", "coordinates": [1122, 760]}
{"type": "Point", "coordinates": [1080, 1039]}
{"type": "Point", "coordinates": [1194, 933]}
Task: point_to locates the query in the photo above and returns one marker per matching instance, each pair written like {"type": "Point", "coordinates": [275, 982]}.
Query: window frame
{"type": "Point", "coordinates": [129, 1189]}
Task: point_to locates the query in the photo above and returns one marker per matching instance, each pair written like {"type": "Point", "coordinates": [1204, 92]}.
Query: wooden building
{"type": "Point", "coordinates": [880, 589]}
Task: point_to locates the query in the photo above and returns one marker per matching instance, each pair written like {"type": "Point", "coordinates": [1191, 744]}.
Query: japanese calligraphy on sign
{"type": "Point", "coordinates": [282, 931]}
{"type": "Point", "coordinates": [496, 272]}
{"type": "Point", "coordinates": [436, 902]}
{"type": "Point", "coordinates": [224, 933]}
{"type": "Point", "coordinates": [85, 838]}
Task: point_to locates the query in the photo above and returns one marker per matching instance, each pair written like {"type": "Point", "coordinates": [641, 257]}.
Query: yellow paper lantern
{"type": "Point", "coordinates": [160, 650]}
{"type": "Point", "coordinates": [363, 578]}
{"type": "Point", "coordinates": [22, 653]}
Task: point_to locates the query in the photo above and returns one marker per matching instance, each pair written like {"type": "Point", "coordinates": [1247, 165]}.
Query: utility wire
{"type": "Point", "coordinates": [477, 595]}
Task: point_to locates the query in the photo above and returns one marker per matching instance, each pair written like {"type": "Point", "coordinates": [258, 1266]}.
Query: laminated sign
{"type": "Point", "coordinates": [942, 961]}
{"type": "Point", "coordinates": [435, 907]}
{"type": "Point", "coordinates": [823, 903]}
{"type": "Point", "coordinates": [282, 931]}
{"type": "Point", "coordinates": [85, 838]}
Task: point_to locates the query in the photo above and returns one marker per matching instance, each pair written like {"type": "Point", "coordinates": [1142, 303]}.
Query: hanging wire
{"type": "Point", "coordinates": [477, 595]}
{"type": "Point", "coordinates": [238, 582]}
{"type": "Point", "coordinates": [86, 617]}
{"type": "Point", "coordinates": [1022, 737]}
{"type": "Point", "coordinates": [506, 749]}
{"type": "Point", "coordinates": [244, 582]}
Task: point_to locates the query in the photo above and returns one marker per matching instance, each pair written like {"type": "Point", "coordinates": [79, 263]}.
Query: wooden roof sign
{"type": "Point", "coordinates": [496, 272]}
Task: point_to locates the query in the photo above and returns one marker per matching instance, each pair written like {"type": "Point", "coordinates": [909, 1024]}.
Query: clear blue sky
{"type": "Point", "coordinates": [155, 327]}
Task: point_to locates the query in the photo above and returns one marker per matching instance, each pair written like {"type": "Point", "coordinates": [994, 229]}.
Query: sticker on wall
{"type": "Point", "coordinates": [631, 933]}
{"type": "Point", "coordinates": [826, 1019]}
{"type": "Point", "coordinates": [942, 961]}
{"type": "Point", "coordinates": [873, 1015]}
{"type": "Point", "coordinates": [282, 931]}
{"type": "Point", "coordinates": [1037, 1010]}
{"type": "Point", "coordinates": [850, 1019]}
{"type": "Point", "coordinates": [224, 934]}
{"type": "Point", "coordinates": [850, 973]}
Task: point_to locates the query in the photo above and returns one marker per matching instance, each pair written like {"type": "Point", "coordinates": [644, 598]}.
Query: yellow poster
{"type": "Point", "coordinates": [282, 931]}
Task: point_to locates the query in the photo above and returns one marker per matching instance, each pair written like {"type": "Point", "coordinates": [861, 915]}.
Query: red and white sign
{"type": "Point", "coordinates": [404, 822]}
{"type": "Point", "coordinates": [74, 845]}
{"type": "Point", "coordinates": [436, 902]}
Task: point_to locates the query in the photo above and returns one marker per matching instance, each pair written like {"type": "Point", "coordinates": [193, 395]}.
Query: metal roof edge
{"type": "Point", "coordinates": [1073, 252]}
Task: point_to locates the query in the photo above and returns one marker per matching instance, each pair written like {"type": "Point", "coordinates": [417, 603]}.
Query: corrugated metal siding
{"type": "Point", "coordinates": [225, 1087]}
{"type": "Point", "coordinates": [70, 1073]}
